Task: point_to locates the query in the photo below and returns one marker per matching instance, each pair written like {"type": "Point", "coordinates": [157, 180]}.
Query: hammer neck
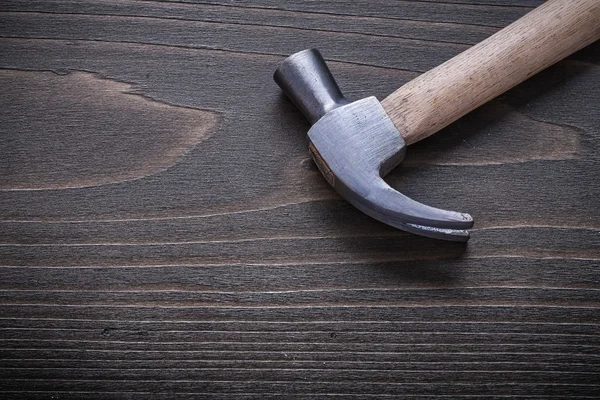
{"type": "Point", "coordinates": [306, 80]}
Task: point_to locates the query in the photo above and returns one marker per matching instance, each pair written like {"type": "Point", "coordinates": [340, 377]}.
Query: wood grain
{"type": "Point", "coordinates": [135, 136]}
{"type": "Point", "coordinates": [181, 244]}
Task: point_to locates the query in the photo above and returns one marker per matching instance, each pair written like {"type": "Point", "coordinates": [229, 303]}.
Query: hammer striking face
{"type": "Point", "coordinates": [356, 144]}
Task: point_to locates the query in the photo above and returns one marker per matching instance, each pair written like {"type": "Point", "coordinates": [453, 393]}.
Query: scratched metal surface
{"type": "Point", "coordinates": [163, 233]}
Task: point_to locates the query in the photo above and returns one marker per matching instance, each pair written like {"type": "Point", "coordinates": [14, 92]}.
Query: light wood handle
{"type": "Point", "coordinates": [539, 39]}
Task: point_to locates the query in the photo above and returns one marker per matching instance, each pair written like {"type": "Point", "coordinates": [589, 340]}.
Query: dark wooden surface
{"type": "Point", "coordinates": [163, 233]}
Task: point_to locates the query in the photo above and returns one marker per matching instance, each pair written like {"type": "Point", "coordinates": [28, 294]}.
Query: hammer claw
{"type": "Point", "coordinates": [377, 199]}
{"type": "Point", "coordinates": [455, 235]}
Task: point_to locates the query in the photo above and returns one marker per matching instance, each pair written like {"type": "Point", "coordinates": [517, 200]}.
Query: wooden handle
{"type": "Point", "coordinates": [539, 39]}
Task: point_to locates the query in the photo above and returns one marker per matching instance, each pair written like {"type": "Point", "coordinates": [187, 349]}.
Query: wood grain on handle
{"type": "Point", "coordinates": [539, 39]}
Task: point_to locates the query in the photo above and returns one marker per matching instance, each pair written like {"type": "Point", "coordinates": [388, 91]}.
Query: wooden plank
{"type": "Point", "coordinates": [163, 232]}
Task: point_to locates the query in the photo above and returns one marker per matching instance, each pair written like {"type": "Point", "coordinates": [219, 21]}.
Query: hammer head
{"type": "Point", "coordinates": [355, 145]}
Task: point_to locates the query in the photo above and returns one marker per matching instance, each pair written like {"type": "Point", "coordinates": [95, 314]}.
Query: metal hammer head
{"type": "Point", "coordinates": [355, 145]}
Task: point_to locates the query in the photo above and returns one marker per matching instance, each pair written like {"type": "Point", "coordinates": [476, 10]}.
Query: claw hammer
{"type": "Point", "coordinates": [355, 144]}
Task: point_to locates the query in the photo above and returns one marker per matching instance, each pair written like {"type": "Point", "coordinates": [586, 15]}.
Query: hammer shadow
{"type": "Point", "coordinates": [398, 256]}
{"type": "Point", "coordinates": [401, 257]}
{"type": "Point", "coordinates": [405, 258]}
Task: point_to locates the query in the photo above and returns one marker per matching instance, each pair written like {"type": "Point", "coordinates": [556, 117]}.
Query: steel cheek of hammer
{"type": "Point", "coordinates": [355, 145]}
